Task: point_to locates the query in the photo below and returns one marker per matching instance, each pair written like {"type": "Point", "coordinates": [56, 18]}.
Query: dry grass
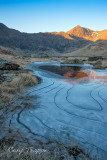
{"type": "Point", "coordinates": [18, 84]}
{"type": "Point", "coordinates": [20, 81]}
{"type": "Point", "coordinates": [28, 80]}
{"type": "Point", "coordinates": [23, 80]}
{"type": "Point", "coordinates": [22, 61]}
{"type": "Point", "coordinates": [10, 151]}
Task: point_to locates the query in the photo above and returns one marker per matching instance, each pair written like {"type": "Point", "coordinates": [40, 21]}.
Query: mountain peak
{"type": "Point", "coordinates": [77, 31]}
{"type": "Point", "coordinates": [78, 26]}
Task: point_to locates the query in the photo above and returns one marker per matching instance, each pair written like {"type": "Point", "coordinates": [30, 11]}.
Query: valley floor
{"type": "Point", "coordinates": [62, 113]}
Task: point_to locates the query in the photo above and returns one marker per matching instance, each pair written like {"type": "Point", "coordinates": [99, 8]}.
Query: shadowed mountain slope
{"type": "Point", "coordinates": [6, 51]}
{"type": "Point", "coordinates": [46, 44]}
{"type": "Point", "coordinates": [97, 48]}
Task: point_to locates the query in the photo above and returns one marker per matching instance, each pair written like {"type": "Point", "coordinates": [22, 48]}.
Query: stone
{"type": "Point", "coordinates": [6, 65]}
{"type": "Point", "coordinates": [73, 61]}
{"type": "Point", "coordinates": [8, 77]}
{"type": "Point", "coordinates": [95, 58]}
{"type": "Point", "coordinates": [100, 64]}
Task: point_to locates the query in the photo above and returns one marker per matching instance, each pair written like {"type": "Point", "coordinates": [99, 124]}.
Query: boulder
{"type": "Point", "coordinates": [73, 61]}
{"type": "Point", "coordinates": [95, 58]}
{"type": "Point", "coordinates": [100, 64]}
{"type": "Point", "coordinates": [8, 77]}
{"type": "Point", "coordinates": [6, 65]}
{"type": "Point", "coordinates": [1, 78]}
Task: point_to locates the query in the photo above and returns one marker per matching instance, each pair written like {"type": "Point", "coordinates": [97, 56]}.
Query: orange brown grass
{"type": "Point", "coordinates": [9, 90]}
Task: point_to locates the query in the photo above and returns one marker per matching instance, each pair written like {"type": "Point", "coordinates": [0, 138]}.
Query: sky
{"type": "Point", "coordinates": [34, 16]}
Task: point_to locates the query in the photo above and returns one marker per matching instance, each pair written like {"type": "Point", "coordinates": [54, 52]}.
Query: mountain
{"type": "Point", "coordinates": [64, 34]}
{"type": "Point", "coordinates": [38, 44]}
{"type": "Point", "coordinates": [50, 43]}
{"type": "Point", "coordinates": [88, 34]}
{"type": "Point", "coordinates": [97, 48]}
{"type": "Point", "coordinates": [6, 51]}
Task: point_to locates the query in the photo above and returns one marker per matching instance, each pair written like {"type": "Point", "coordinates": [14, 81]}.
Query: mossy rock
{"type": "Point", "coordinates": [73, 61]}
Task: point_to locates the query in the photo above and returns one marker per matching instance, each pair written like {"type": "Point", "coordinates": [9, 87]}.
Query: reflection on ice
{"type": "Point", "coordinates": [85, 76]}
{"type": "Point", "coordinates": [76, 109]}
{"type": "Point", "coordinates": [77, 74]}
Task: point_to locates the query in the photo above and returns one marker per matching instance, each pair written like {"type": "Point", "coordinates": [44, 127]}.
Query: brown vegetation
{"type": "Point", "coordinates": [22, 61]}
{"type": "Point", "coordinates": [56, 151]}
{"type": "Point", "coordinates": [6, 51]}
{"type": "Point", "coordinates": [10, 89]}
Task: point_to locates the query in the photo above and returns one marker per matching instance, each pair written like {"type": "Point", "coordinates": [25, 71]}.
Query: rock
{"type": "Point", "coordinates": [100, 64]}
{"type": "Point", "coordinates": [73, 61]}
{"type": "Point", "coordinates": [8, 77]}
{"type": "Point", "coordinates": [95, 58]}
{"type": "Point", "coordinates": [6, 65]}
{"type": "Point", "coordinates": [1, 78]}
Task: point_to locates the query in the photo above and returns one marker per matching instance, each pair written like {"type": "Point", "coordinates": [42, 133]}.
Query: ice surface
{"type": "Point", "coordinates": [69, 108]}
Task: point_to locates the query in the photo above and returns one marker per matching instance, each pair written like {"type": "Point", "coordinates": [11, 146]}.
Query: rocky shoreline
{"type": "Point", "coordinates": [97, 62]}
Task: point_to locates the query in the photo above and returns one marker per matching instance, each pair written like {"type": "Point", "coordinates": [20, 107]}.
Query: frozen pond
{"type": "Point", "coordinates": [71, 104]}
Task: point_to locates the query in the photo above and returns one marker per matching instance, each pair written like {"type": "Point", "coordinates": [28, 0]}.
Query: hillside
{"type": "Point", "coordinates": [38, 44]}
{"type": "Point", "coordinates": [98, 48]}
{"type": "Point", "coordinates": [6, 51]}
{"type": "Point", "coordinates": [48, 44]}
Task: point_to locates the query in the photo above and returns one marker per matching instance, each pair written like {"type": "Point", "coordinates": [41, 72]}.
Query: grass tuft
{"type": "Point", "coordinates": [17, 85]}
